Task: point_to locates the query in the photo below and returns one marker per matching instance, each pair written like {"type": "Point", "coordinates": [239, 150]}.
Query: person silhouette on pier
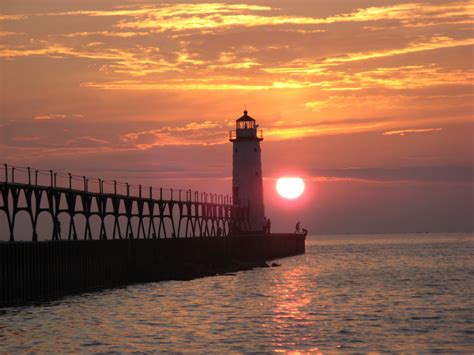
{"type": "Point", "coordinates": [269, 224]}
{"type": "Point", "coordinates": [297, 228]}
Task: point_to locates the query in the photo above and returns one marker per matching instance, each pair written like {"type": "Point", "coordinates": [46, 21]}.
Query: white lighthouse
{"type": "Point", "coordinates": [247, 184]}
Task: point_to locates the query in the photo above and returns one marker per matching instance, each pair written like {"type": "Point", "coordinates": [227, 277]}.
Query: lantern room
{"type": "Point", "coordinates": [246, 128]}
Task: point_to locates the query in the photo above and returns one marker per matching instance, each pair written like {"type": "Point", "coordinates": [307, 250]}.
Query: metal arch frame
{"type": "Point", "coordinates": [198, 218]}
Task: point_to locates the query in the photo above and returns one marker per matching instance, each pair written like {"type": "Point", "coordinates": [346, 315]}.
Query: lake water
{"type": "Point", "coordinates": [410, 293]}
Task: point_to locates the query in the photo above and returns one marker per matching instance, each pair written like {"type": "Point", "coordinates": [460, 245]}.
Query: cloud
{"type": "Point", "coordinates": [432, 44]}
{"type": "Point", "coordinates": [163, 11]}
{"type": "Point", "coordinates": [12, 17]}
{"type": "Point", "coordinates": [197, 84]}
{"type": "Point", "coordinates": [309, 129]}
{"type": "Point", "coordinates": [185, 17]}
{"type": "Point", "coordinates": [106, 34]}
{"type": "Point", "coordinates": [55, 117]}
{"type": "Point", "coordinates": [201, 133]}
{"type": "Point", "coordinates": [397, 78]}
{"type": "Point", "coordinates": [404, 132]}
{"type": "Point", "coordinates": [49, 117]}
{"type": "Point", "coordinates": [10, 34]}
{"type": "Point", "coordinates": [190, 16]}
{"type": "Point", "coordinates": [86, 142]}
{"type": "Point", "coordinates": [157, 55]}
{"type": "Point", "coordinates": [50, 50]}
{"type": "Point", "coordinates": [307, 66]}
{"type": "Point", "coordinates": [399, 174]}
{"type": "Point", "coordinates": [315, 105]}
{"type": "Point", "coordinates": [412, 14]}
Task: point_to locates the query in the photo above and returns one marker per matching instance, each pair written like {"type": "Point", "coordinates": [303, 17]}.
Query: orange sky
{"type": "Point", "coordinates": [370, 101]}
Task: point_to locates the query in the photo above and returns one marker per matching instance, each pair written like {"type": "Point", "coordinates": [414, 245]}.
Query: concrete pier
{"type": "Point", "coordinates": [31, 271]}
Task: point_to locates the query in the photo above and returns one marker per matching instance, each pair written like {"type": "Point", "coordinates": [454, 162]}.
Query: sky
{"type": "Point", "coordinates": [371, 102]}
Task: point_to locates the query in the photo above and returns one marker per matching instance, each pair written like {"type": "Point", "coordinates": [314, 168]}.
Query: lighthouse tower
{"type": "Point", "coordinates": [247, 184]}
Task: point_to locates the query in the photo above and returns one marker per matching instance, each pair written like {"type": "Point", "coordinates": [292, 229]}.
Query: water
{"type": "Point", "coordinates": [348, 293]}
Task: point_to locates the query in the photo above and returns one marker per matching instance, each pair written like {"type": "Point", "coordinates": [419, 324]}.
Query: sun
{"type": "Point", "coordinates": [290, 187]}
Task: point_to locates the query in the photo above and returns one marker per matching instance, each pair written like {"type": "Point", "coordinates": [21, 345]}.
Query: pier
{"type": "Point", "coordinates": [96, 233]}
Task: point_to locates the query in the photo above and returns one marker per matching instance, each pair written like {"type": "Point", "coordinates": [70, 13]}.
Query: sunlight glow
{"type": "Point", "coordinates": [290, 187]}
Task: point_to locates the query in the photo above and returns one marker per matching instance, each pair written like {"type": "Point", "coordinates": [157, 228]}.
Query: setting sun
{"type": "Point", "coordinates": [290, 187]}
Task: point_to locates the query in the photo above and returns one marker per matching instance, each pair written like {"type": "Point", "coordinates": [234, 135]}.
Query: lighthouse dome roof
{"type": "Point", "coordinates": [245, 117]}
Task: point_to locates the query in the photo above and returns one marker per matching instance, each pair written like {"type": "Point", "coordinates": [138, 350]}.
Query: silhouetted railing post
{"type": "Point", "coordinates": [171, 194]}
{"type": "Point", "coordinates": [128, 189]}
{"type": "Point", "coordinates": [140, 191]}
{"type": "Point", "coordinates": [36, 177]}
{"type": "Point", "coordinates": [55, 179]}
{"type": "Point", "coordinates": [115, 187]}
{"type": "Point", "coordinates": [161, 194]}
{"type": "Point", "coordinates": [29, 175]}
{"type": "Point", "coordinates": [151, 192]}
{"type": "Point", "coordinates": [51, 177]}
{"type": "Point", "coordinates": [101, 186]}
{"type": "Point", "coordinates": [179, 195]}
{"type": "Point", "coordinates": [6, 173]}
{"type": "Point", "coordinates": [70, 181]}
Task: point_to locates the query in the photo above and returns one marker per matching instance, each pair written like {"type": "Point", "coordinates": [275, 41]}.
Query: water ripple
{"type": "Point", "coordinates": [358, 294]}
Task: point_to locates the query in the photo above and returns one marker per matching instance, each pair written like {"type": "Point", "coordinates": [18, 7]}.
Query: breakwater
{"type": "Point", "coordinates": [42, 270]}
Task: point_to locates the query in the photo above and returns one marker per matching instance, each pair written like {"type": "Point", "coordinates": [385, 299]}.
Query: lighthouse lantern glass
{"type": "Point", "coordinates": [246, 124]}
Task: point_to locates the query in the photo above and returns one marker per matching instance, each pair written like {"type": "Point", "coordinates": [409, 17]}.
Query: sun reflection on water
{"type": "Point", "coordinates": [290, 298]}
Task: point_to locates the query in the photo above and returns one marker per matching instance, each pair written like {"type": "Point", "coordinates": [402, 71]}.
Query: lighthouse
{"type": "Point", "coordinates": [247, 183]}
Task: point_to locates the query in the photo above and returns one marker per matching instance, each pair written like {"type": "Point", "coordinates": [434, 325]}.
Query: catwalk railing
{"type": "Point", "coordinates": [46, 205]}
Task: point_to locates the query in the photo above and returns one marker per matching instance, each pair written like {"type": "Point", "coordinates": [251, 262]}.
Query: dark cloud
{"type": "Point", "coordinates": [463, 174]}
